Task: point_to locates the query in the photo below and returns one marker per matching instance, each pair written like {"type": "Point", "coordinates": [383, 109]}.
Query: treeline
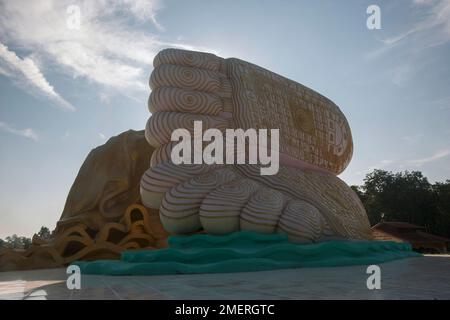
{"type": "Point", "coordinates": [406, 196]}
{"type": "Point", "coordinates": [17, 242]}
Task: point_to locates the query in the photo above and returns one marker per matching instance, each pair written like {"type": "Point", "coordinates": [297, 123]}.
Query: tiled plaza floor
{"type": "Point", "coordinates": [414, 278]}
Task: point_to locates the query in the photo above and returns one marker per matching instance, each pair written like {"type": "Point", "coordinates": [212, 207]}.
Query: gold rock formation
{"type": "Point", "coordinates": [102, 215]}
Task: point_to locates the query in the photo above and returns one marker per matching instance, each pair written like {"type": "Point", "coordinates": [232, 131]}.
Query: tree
{"type": "Point", "coordinates": [442, 199]}
{"type": "Point", "coordinates": [16, 242]}
{"type": "Point", "coordinates": [406, 196]}
{"type": "Point", "coordinates": [44, 233]}
{"type": "Point", "coordinates": [25, 242]}
{"type": "Point", "coordinates": [359, 192]}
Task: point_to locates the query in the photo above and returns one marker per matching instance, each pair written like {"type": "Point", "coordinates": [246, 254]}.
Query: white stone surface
{"type": "Point", "coordinates": [426, 277]}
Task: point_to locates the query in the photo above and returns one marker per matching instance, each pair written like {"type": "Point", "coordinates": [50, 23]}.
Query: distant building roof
{"type": "Point", "coordinates": [398, 225]}
{"type": "Point", "coordinates": [404, 231]}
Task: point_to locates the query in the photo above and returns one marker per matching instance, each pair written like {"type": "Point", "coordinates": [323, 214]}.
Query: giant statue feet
{"type": "Point", "coordinates": [304, 199]}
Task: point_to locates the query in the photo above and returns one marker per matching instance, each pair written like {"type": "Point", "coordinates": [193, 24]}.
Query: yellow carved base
{"type": "Point", "coordinates": [139, 228]}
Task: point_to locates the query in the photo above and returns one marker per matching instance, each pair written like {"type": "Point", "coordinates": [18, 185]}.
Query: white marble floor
{"type": "Point", "coordinates": [427, 277]}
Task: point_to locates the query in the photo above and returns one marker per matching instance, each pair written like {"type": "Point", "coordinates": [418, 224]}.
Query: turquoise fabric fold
{"type": "Point", "coordinates": [245, 251]}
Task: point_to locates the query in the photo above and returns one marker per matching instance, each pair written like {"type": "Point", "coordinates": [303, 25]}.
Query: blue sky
{"type": "Point", "coordinates": [64, 92]}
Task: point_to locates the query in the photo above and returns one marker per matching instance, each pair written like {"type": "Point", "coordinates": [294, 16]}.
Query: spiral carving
{"type": "Point", "coordinates": [160, 125]}
{"type": "Point", "coordinates": [162, 154]}
{"type": "Point", "coordinates": [179, 100]}
{"type": "Point", "coordinates": [158, 180]}
{"type": "Point", "coordinates": [220, 210]}
{"type": "Point", "coordinates": [180, 206]}
{"type": "Point", "coordinates": [263, 211]}
{"type": "Point", "coordinates": [187, 58]}
{"type": "Point", "coordinates": [167, 75]}
{"type": "Point", "coordinates": [301, 221]}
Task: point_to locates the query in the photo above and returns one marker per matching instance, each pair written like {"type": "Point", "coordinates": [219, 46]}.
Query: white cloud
{"type": "Point", "coordinates": [436, 156]}
{"type": "Point", "coordinates": [402, 73]}
{"type": "Point", "coordinates": [432, 27]}
{"type": "Point", "coordinates": [26, 133]}
{"type": "Point", "coordinates": [145, 10]}
{"type": "Point", "coordinates": [4, 72]}
{"type": "Point", "coordinates": [422, 2]}
{"type": "Point", "coordinates": [101, 136]}
{"type": "Point", "coordinates": [381, 165]}
{"type": "Point", "coordinates": [405, 164]}
{"type": "Point", "coordinates": [412, 139]}
{"type": "Point", "coordinates": [113, 46]}
{"type": "Point", "coordinates": [105, 98]}
{"type": "Point", "coordinates": [27, 73]}
{"type": "Point", "coordinates": [442, 103]}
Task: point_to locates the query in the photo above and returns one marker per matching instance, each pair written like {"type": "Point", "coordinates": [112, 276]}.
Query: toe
{"type": "Point", "coordinates": [156, 181]}
{"type": "Point", "coordinates": [221, 209]}
{"type": "Point", "coordinates": [180, 206]}
{"type": "Point", "coordinates": [262, 212]}
{"type": "Point", "coordinates": [160, 125]}
{"type": "Point", "coordinates": [188, 58]}
{"type": "Point", "coordinates": [301, 221]}
{"type": "Point", "coordinates": [182, 100]}
{"type": "Point", "coordinates": [168, 75]}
